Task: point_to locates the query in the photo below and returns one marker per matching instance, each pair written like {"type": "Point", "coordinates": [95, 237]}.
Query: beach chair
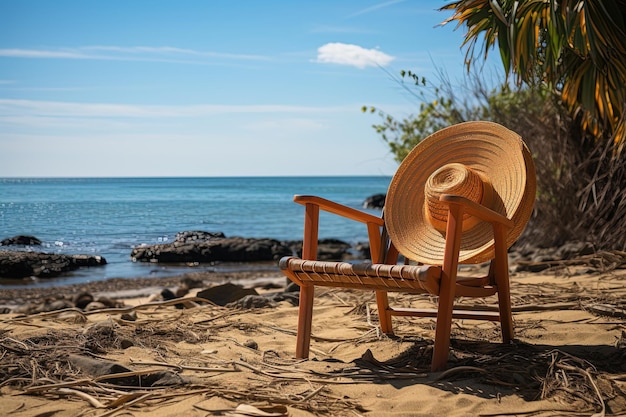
{"type": "Point", "coordinates": [462, 196]}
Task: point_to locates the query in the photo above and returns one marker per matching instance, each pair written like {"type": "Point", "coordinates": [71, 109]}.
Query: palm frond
{"type": "Point", "coordinates": [576, 46]}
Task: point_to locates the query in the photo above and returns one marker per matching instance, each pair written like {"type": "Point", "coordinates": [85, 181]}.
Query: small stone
{"type": "Point", "coordinates": [182, 291]}
{"type": "Point", "coordinates": [126, 343]}
{"type": "Point", "coordinates": [81, 300]}
{"type": "Point", "coordinates": [95, 305]}
{"type": "Point", "coordinates": [167, 294]}
{"type": "Point", "coordinates": [55, 305]}
{"type": "Point", "coordinates": [109, 302]}
{"type": "Point", "coordinates": [251, 344]}
{"type": "Point", "coordinates": [251, 301]}
{"type": "Point", "coordinates": [132, 316]}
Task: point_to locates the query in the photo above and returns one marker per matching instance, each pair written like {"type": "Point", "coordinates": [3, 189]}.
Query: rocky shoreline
{"type": "Point", "coordinates": [20, 259]}
{"type": "Point", "coordinates": [111, 293]}
{"type": "Point", "coordinates": [114, 291]}
{"type": "Point", "coordinates": [198, 247]}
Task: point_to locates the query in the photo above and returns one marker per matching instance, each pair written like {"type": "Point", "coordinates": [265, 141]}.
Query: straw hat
{"type": "Point", "coordinates": [482, 161]}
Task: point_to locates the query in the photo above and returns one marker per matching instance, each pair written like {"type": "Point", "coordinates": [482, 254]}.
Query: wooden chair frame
{"type": "Point", "coordinates": [448, 284]}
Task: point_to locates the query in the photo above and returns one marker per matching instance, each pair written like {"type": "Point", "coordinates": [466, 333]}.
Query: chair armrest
{"type": "Point", "coordinates": [339, 209]}
{"type": "Point", "coordinates": [477, 210]}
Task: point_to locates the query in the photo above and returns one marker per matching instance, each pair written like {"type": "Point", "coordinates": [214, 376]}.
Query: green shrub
{"type": "Point", "coordinates": [581, 181]}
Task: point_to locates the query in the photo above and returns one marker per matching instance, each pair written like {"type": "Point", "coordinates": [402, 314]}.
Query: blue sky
{"type": "Point", "coordinates": [211, 87]}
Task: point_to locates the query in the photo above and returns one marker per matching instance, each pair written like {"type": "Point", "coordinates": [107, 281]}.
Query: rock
{"type": "Point", "coordinates": [110, 302]}
{"type": "Point", "coordinates": [48, 305]}
{"type": "Point", "coordinates": [20, 264]}
{"type": "Point", "coordinates": [21, 240]}
{"type": "Point", "coordinates": [126, 343]}
{"type": "Point", "coordinates": [87, 260]}
{"type": "Point", "coordinates": [332, 249]}
{"type": "Point", "coordinates": [167, 294]}
{"type": "Point", "coordinates": [94, 305]}
{"type": "Point", "coordinates": [225, 293]}
{"type": "Point", "coordinates": [96, 367]}
{"type": "Point", "coordinates": [191, 282]}
{"type": "Point", "coordinates": [208, 247]}
{"type": "Point", "coordinates": [82, 299]}
{"type": "Point", "coordinates": [193, 236]}
{"type": "Point", "coordinates": [251, 301]}
{"type": "Point", "coordinates": [363, 248]}
{"type": "Point", "coordinates": [252, 344]}
{"type": "Point", "coordinates": [291, 297]}
{"type": "Point", "coordinates": [212, 249]}
{"type": "Point", "coordinates": [327, 249]}
{"type": "Point", "coordinates": [132, 316]}
{"type": "Point", "coordinates": [376, 201]}
{"type": "Point", "coordinates": [182, 291]}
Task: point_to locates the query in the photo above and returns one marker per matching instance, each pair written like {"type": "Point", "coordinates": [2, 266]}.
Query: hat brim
{"type": "Point", "coordinates": [490, 149]}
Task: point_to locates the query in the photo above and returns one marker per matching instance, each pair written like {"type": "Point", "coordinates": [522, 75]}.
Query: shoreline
{"type": "Point", "coordinates": [125, 288]}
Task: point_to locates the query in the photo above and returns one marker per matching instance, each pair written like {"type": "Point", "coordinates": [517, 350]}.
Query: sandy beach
{"type": "Point", "coordinates": [149, 357]}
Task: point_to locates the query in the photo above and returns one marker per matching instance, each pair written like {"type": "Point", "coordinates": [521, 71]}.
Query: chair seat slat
{"type": "Point", "coordinates": [408, 278]}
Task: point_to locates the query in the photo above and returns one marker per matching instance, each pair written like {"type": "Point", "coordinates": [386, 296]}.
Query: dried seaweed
{"type": "Point", "coordinates": [581, 381]}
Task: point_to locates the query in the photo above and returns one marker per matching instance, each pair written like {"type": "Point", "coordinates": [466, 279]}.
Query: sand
{"type": "Point", "coordinates": [569, 356]}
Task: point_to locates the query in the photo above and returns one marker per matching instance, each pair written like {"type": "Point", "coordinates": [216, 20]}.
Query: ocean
{"type": "Point", "coordinates": [109, 216]}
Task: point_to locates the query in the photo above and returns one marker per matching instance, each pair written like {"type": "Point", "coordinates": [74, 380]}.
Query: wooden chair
{"type": "Point", "coordinates": [429, 200]}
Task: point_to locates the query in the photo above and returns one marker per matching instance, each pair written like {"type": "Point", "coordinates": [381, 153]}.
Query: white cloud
{"type": "Point", "coordinates": [35, 53]}
{"type": "Point", "coordinates": [135, 53]}
{"type": "Point", "coordinates": [33, 108]}
{"type": "Point", "coordinates": [377, 7]}
{"type": "Point", "coordinates": [353, 55]}
{"type": "Point", "coordinates": [172, 51]}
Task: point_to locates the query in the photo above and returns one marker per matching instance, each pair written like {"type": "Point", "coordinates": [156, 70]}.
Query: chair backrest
{"type": "Point", "coordinates": [388, 252]}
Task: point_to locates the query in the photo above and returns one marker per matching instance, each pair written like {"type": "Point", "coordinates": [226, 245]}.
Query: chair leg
{"type": "Point", "coordinates": [448, 288]}
{"type": "Point", "coordinates": [506, 317]}
{"type": "Point", "coordinates": [444, 326]}
{"type": "Point", "coordinates": [305, 318]}
{"type": "Point", "coordinates": [501, 271]}
{"type": "Point", "coordinates": [384, 316]}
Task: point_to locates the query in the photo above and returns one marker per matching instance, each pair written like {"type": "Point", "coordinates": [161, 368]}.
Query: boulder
{"type": "Point", "coordinates": [208, 247]}
{"type": "Point", "coordinates": [20, 264]}
{"type": "Point", "coordinates": [21, 240]}
{"type": "Point", "coordinates": [226, 293]}
{"type": "Point", "coordinates": [211, 249]}
{"type": "Point", "coordinates": [333, 250]}
{"type": "Point", "coordinates": [376, 201]}
{"type": "Point", "coordinates": [192, 236]}
{"type": "Point", "coordinates": [328, 250]}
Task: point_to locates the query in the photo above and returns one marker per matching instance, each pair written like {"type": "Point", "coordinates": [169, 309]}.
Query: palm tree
{"type": "Point", "coordinates": [575, 47]}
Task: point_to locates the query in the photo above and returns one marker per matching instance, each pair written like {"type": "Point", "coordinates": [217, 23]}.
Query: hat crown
{"type": "Point", "coordinates": [457, 179]}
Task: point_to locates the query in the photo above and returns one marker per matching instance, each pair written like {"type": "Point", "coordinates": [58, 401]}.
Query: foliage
{"type": "Point", "coordinates": [569, 104]}
{"type": "Point", "coordinates": [576, 47]}
{"type": "Point", "coordinates": [580, 195]}
{"type": "Point", "coordinates": [443, 109]}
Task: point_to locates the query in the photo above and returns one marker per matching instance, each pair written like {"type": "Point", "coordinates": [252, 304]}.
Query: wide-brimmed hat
{"type": "Point", "coordinates": [482, 161]}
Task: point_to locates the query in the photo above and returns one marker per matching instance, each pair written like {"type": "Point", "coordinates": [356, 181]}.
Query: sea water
{"type": "Point", "coordinates": [110, 216]}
